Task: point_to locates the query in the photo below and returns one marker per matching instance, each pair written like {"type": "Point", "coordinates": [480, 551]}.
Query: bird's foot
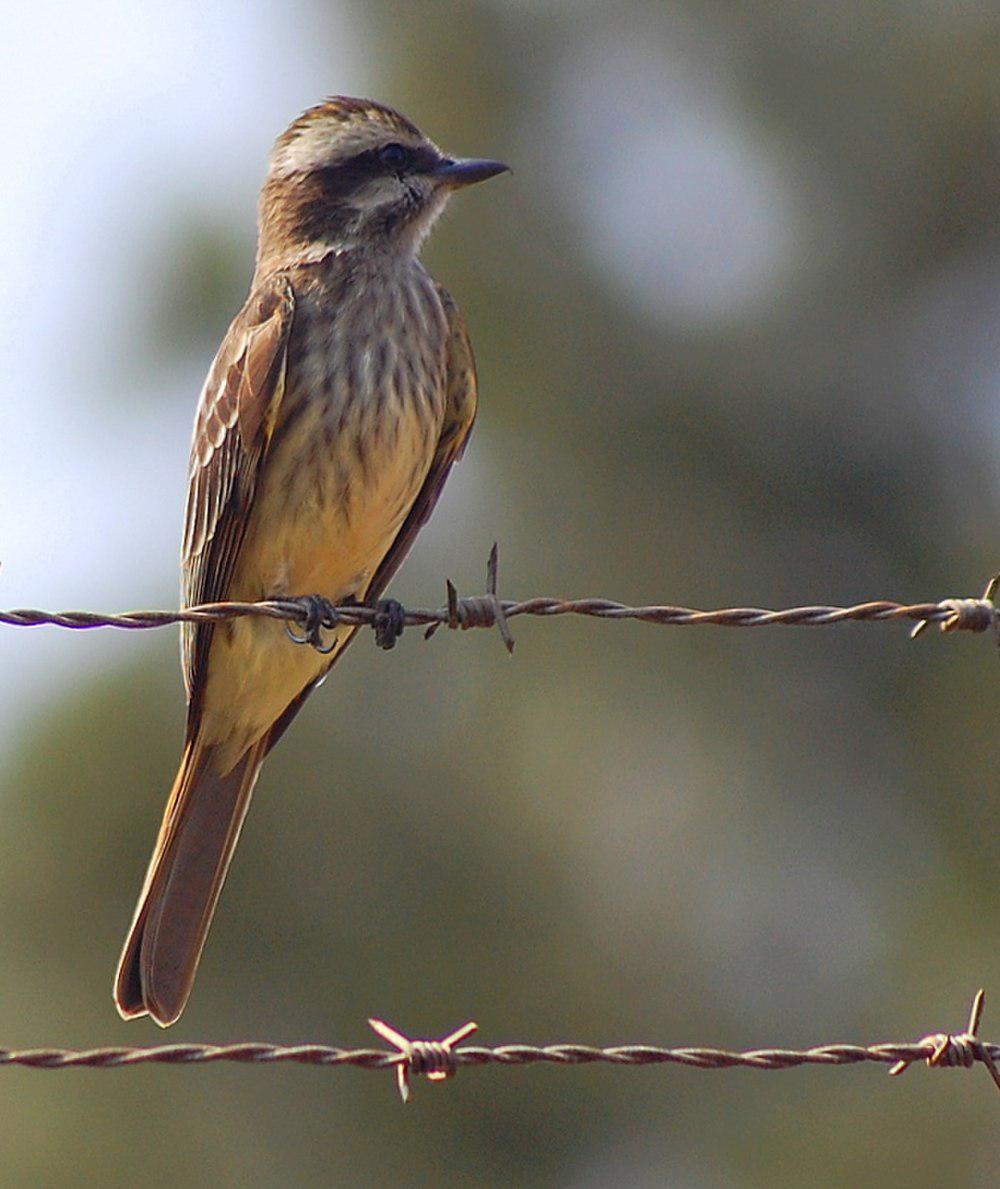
{"type": "Point", "coordinates": [388, 623]}
{"type": "Point", "coordinates": [318, 615]}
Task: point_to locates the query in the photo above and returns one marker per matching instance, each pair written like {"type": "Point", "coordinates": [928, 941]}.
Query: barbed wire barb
{"type": "Point", "coordinates": [433, 1058]}
{"type": "Point", "coordinates": [439, 1059]}
{"type": "Point", "coordinates": [968, 614]}
{"type": "Point", "coordinates": [489, 611]}
{"type": "Point", "coordinates": [963, 1049]}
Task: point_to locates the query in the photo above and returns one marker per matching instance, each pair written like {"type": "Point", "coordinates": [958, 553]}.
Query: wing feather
{"type": "Point", "coordinates": [236, 416]}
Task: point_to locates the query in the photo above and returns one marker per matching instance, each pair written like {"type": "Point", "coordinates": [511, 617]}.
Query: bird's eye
{"type": "Point", "coordinates": [394, 156]}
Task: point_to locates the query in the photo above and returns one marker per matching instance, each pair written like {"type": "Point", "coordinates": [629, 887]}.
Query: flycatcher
{"type": "Point", "coordinates": [341, 396]}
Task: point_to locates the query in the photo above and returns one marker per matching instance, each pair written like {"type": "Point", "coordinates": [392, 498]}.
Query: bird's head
{"type": "Point", "coordinates": [350, 173]}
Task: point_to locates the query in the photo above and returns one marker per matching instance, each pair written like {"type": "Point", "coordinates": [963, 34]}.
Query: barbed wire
{"type": "Point", "coordinates": [439, 1059]}
{"type": "Point", "coordinates": [388, 618]}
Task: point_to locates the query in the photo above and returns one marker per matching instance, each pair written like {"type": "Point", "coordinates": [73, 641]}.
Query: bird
{"type": "Point", "coordinates": [343, 393]}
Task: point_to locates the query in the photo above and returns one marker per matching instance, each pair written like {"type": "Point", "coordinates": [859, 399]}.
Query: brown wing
{"type": "Point", "coordinates": [236, 416]}
{"type": "Point", "coordinates": [459, 415]}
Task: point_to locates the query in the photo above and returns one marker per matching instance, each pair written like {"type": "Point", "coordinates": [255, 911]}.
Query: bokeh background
{"type": "Point", "coordinates": [736, 319]}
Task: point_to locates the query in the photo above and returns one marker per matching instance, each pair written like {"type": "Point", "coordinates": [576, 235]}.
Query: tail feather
{"type": "Point", "coordinates": [200, 829]}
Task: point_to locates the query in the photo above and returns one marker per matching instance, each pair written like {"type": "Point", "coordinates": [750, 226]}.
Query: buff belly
{"type": "Point", "coordinates": [321, 524]}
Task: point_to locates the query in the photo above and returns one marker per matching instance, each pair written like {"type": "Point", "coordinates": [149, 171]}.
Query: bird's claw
{"type": "Point", "coordinates": [388, 622]}
{"type": "Point", "coordinates": [318, 615]}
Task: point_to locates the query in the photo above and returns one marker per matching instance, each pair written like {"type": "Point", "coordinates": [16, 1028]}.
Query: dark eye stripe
{"type": "Point", "coordinates": [326, 195]}
{"type": "Point", "coordinates": [336, 183]}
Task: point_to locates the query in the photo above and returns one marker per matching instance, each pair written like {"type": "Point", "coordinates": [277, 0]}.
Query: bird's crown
{"type": "Point", "coordinates": [340, 126]}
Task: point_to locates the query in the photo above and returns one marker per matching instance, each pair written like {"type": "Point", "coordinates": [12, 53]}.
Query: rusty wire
{"type": "Point", "coordinates": [489, 611]}
{"type": "Point", "coordinates": [438, 1059]}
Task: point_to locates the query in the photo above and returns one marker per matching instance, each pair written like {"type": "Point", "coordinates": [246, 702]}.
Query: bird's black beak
{"type": "Point", "coordinates": [466, 171]}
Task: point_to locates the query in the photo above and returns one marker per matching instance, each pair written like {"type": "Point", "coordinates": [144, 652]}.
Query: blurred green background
{"type": "Point", "coordinates": [736, 320]}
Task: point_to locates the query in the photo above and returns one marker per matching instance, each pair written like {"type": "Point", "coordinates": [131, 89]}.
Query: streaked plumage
{"type": "Point", "coordinates": [341, 396]}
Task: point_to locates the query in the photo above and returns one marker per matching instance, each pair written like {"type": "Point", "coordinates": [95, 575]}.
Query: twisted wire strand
{"type": "Point", "coordinates": [952, 614]}
{"type": "Point", "coordinates": [440, 1059]}
{"type": "Point", "coordinates": [489, 611]}
{"type": "Point", "coordinates": [257, 1053]}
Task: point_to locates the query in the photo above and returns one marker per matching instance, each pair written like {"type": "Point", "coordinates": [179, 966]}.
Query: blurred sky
{"type": "Point", "coordinates": [94, 106]}
{"type": "Point", "coordinates": [735, 316]}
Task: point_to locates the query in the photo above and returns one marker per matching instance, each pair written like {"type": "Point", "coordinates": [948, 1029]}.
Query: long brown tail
{"type": "Point", "coordinates": [200, 829]}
